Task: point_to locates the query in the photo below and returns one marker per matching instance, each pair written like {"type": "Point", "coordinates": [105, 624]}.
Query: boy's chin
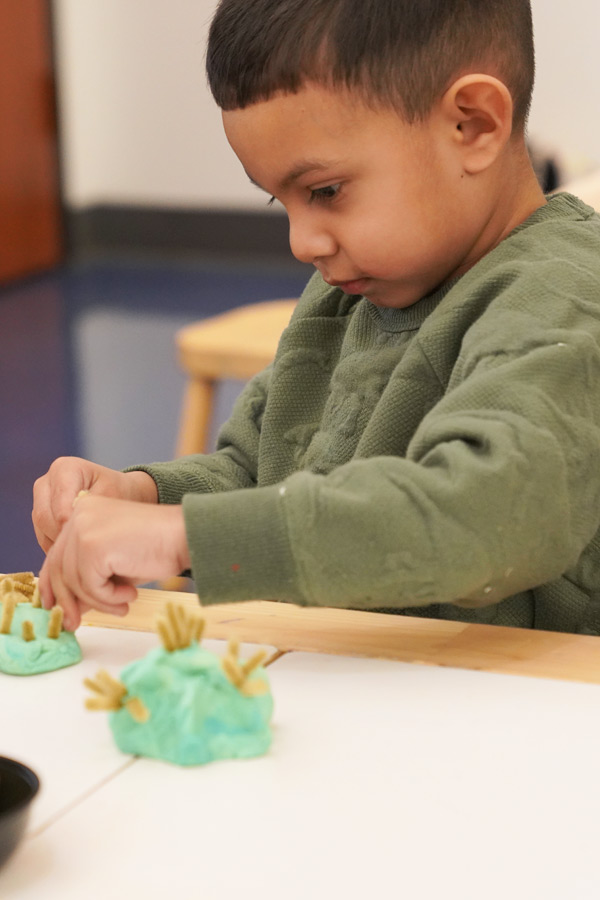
{"type": "Point", "coordinates": [392, 299]}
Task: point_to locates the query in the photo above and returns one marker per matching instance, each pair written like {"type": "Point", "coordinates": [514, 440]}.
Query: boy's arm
{"type": "Point", "coordinates": [500, 492]}
{"type": "Point", "coordinates": [99, 548]}
{"type": "Point", "coordinates": [234, 464]}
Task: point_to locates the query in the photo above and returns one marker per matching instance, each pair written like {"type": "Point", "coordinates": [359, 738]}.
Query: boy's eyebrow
{"type": "Point", "coordinates": [297, 171]}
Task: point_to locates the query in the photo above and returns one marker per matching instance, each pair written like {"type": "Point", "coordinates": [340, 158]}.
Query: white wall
{"type": "Point", "coordinates": [566, 103]}
{"type": "Point", "coordinates": [139, 126]}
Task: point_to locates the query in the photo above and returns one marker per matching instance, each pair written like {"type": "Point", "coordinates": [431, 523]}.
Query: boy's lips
{"type": "Point", "coordinates": [355, 286]}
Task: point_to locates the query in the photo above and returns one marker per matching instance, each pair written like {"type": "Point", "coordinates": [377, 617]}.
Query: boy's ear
{"type": "Point", "coordinates": [480, 109]}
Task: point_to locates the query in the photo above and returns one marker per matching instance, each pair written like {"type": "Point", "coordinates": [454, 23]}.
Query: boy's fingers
{"type": "Point", "coordinates": [55, 590]}
{"type": "Point", "coordinates": [41, 515]}
{"type": "Point", "coordinates": [89, 586]}
{"type": "Point", "coordinates": [65, 598]}
{"type": "Point", "coordinates": [120, 609]}
{"type": "Point", "coordinates": [63, 495]}
{"type": "Point", "coordinates": [45, 588]}
{"type": "Point", "coordinates": [107, 599]}
{"type": "Point", "coordinates": [43, 540]}
{"type": "Point", "coordinates": [53, 496]}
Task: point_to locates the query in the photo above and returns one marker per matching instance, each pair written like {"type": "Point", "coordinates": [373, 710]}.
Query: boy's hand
{"type": "Point", "coordinates": [55, 492]}
{"type": "Point", "coordinates": [105, 548]}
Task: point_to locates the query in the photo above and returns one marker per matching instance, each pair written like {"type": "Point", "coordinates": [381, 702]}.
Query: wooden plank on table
{"type": "Point", "coordinates": [489, 648]}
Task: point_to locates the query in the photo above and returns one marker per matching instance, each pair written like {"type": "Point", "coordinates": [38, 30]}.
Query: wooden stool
{"type": "Point", "coordinates": [236, 344]}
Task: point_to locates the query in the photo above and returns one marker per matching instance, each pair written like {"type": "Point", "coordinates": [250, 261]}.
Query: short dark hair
{"type": "Point", "coordinates": [400, 53]}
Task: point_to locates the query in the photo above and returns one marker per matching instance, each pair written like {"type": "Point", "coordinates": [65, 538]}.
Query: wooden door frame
{"type": "Point", "coordinates": [31, 213]}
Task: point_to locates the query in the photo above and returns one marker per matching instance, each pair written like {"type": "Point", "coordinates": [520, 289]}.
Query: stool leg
{"type": "Point", "coordinates": [192, 438]}
{"type": "Point", "coordinates": [196, 417]}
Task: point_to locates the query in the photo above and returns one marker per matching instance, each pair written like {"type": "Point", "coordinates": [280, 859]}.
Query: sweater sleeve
{"type": "Point", "coordinates": [499, 492]}
{"type": "Point", "coordinates": [232, 466]}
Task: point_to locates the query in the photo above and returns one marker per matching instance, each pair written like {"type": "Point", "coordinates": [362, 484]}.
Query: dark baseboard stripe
{"type": "Point", "coordinates": [100, 229]}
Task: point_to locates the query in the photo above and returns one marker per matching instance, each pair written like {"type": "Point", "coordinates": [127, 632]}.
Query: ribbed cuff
{"type": "Point", "coordinates": [239, 546]}
{"type": "Point", "coordinates": [174, 483]}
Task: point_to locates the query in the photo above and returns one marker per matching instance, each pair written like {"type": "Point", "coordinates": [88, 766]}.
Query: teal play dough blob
{"type": "Point", "coordinates": [196, 714]}
{"type": "Point", "coordinates": [43, 654]}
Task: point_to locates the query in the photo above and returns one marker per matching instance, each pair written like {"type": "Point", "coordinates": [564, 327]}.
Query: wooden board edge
{"type": "Point", "coordinates": [489, 648]}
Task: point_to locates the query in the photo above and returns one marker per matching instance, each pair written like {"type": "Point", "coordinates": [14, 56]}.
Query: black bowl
{"type": "Point", "coordinates": [18, 787]}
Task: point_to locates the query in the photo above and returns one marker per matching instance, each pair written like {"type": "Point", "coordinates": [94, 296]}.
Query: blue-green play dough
{"type": "Point", "coordinates": [196, 713]}
{"type": "Point", "coordinates": [44, 654]}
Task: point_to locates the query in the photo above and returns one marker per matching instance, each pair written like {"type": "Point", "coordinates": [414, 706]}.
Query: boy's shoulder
{"type": "Point", "coordinates": [540, 286]}
{"type": "Point", "coordinates": [554, 255]}
{"type": "Point", "coordinates": [562, 232]}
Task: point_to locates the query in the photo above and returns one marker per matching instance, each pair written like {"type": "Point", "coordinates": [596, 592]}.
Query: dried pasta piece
{"type": "Point", "coordinates": [22, 577]}
{"type": "Point", "coordinates": [108, 691]}
{"type": "Point", "coordinates": [109, 694]}
{"type": "Point", "coordinates": [8, 611]}
{"type": "Point", "coordinates": [36, 600]}
{"type": "Point", "coordinates": [179, 627]}
{"type": "Point", "coordinates": [137, 710]}
{"type": "Point", "coordinates": [22, 583]}
{"type": "Point", "coordinates": [55, 623]}
{"type": "Point", "coordinates": [27, 630]}
{"type": "Point", "coordinates": [239, 673]}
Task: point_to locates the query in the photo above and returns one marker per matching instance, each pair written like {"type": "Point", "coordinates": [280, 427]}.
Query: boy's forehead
{"type": "Point", "coordinates": [309, 103]}
{"type": "Point", "coordinates": [288, 135]}
{"type": "Point", "coordinates": [330, 109]}
{"type": "Point", "coordinates": [308, 130]}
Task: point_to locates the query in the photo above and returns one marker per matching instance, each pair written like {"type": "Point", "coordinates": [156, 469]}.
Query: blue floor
{"type": "Point", "coordinates": [88, 368]}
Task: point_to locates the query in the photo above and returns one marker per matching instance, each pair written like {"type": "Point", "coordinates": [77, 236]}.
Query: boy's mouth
{"type": "Point", "coordinates": [351, 287]}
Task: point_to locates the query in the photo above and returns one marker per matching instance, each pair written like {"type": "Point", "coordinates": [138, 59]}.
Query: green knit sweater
{"type": "Point", "coordinates": [440, 460]}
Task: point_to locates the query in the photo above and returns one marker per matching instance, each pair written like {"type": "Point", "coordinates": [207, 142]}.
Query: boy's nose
{"type": "Point", "coordinates": [309, 242]}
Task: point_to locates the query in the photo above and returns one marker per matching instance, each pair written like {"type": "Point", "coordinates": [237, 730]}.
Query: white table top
{"type": "Point", "coordinates": [46, 726]}
{"type": "Point", "coordinates": [384, 779]}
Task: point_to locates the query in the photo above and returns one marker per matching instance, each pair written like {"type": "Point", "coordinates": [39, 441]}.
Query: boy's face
{"type": "Point", "coordinates": [380, 207]}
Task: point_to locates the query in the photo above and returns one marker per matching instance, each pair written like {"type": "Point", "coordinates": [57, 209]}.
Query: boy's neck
{"type": "Point", "coordinates": [518, 196]}
{"type": "Point", "coordinates": [524, 193]}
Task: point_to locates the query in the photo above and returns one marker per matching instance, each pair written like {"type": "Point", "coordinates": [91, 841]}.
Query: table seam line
{"type": "Point", "coordinates": [80, 799]}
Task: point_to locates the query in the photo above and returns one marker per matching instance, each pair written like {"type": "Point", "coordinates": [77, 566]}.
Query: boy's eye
{"type": "Point", "coordinates": [324, 194]}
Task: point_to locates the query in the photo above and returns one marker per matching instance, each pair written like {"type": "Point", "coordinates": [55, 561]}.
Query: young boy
{"type": "Point", "coordinates": [428, 438]}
